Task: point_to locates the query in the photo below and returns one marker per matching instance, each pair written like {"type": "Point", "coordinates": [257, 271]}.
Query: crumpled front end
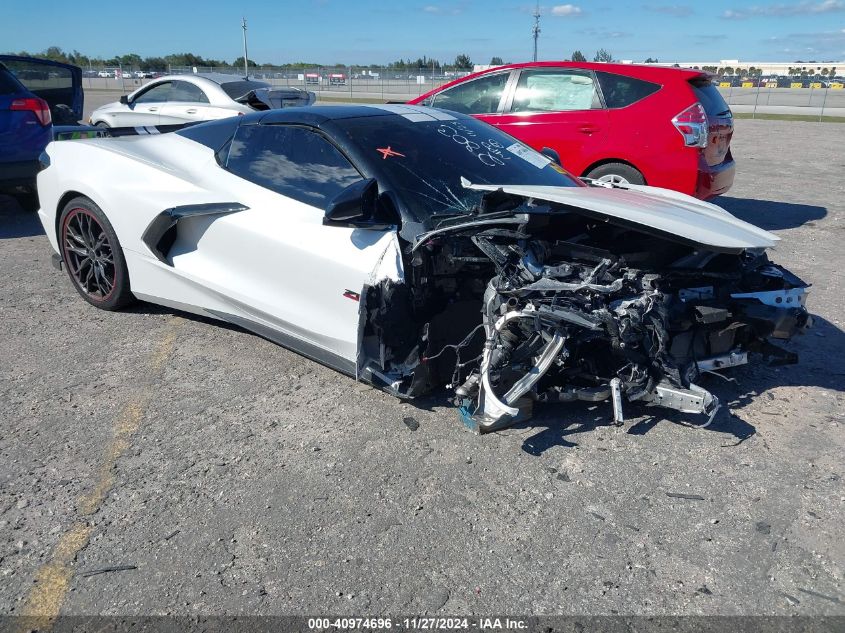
{"type": "Point", "coordinates": [564, 323]}
{"type": "Point", "coordinates": [555, 305]}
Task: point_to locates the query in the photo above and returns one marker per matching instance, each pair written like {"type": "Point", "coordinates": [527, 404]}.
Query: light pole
{"type": "Point", "coordinates": [246, 57]}
{"type": "Point", "coordinates": [536, 29]}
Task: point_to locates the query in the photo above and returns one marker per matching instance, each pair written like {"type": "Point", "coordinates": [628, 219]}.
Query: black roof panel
{"type": "Point", "coordinates": [316, 115]}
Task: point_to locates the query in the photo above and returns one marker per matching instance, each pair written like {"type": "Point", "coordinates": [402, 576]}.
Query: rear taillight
{"type": "Point", "coordinates": [35, 105]}
{"type": "Point", "coordinates": [692, 124]}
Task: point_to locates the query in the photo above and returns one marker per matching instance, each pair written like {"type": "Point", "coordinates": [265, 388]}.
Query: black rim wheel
{"type": "Point", "coordinates": [88, 254]}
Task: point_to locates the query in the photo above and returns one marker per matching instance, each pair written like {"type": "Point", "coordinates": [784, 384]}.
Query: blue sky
{"type": "Point", "coordinates": [380, 31]}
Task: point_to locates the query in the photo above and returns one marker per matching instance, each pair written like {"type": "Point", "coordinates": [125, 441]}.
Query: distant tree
{"type": "Point", "coordinates": [651, 61]}
{"type": "Point", "coordinates": [727, 70]}
{"type": "Point", "coordinates": [238, 63]}
{"type": "Point", "coordinates": [78, 58]}
{"type": "Point", "coordinates": [496, 61]}
{"type": "Point", "coordinates": [832, 72]}
{"type": "Point", "coordinates": [463, 62]}
{"type": "Point", "coordinates": [54, 53]}
{"type": "Point", "coordinates": [130, 60]}
{"type": "Point", "coordinates": [184, 59]}
{"type": "Point", "coordinates": [154, 63]}
{"type": "Point", "coordinates": [825, 72]}
{"type": "Point", "coordinates": [602, 56]}
{"type": "Point", "coordinates": [578, 56]}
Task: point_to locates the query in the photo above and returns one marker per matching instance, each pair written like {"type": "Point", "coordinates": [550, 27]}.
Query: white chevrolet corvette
{"type": "Point", "coordinates": [413, 248]}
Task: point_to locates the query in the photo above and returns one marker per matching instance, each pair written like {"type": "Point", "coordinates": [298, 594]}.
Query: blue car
{"type": "Point", "coordinates": [35, 94]}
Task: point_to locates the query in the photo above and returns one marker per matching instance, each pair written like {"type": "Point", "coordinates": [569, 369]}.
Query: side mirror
{"type": "Point", "coordinates": [356, 206]}
{"type": "Point", "coordinates": [124, 99]}
{"type": "Point", "coordinates": [548, 152]}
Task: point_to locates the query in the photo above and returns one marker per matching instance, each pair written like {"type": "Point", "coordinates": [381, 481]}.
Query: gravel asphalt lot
{"type": "Point", "coordinates": [209, 471]}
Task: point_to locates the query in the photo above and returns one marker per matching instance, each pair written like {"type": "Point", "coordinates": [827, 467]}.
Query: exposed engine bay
{"type": "Point", "coordinates": [514, 309]}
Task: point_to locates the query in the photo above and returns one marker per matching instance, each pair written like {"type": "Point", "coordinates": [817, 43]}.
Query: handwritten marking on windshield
{"type": "Point", "coordinates": [387, 151]}
{"type": "Point", "coordinates": [461, 134]}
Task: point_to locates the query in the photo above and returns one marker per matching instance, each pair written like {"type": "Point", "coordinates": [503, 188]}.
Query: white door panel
{"type": "Point", "coordinates": [136, 115]}
{"type": "Point", "coordinates": [279, 260]}
{"type": "Point", "coordinates": [174, 113]}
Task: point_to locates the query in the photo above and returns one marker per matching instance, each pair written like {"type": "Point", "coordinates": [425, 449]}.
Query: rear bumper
{"type": "Point", "coordinates": [18, 173]}
{"type": "Point", "coordinates": [714, 180]}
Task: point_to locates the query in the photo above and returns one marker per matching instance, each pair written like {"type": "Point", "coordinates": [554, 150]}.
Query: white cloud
{"type": "Point", "coordinates": [673, 10]}
{"type": "Point", "coordinates": [437, 9]}
{"type": "Point", "coordinates": [785, 10]}
{"type": "Point", "coordinates": [820, 44]}
{"type": "Point", "coordinates": [566, 9]}
{"type": "Point", "coordinates": [604, 34]}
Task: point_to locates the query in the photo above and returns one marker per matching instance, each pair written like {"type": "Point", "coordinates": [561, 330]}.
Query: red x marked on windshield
{"type": "Point", "coordinates": [387, 151]}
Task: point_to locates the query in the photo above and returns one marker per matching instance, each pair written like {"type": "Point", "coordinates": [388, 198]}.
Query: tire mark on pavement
{"type": "Point", "coordinates": [52, 580]}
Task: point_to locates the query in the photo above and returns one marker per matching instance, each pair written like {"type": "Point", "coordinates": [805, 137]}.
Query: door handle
{"type": "Point", "coordinates": [191, 110]}
{"type": "Point", "coordinates": [153, 109]}
{"type": "Point", "coordinates": [588, 129]}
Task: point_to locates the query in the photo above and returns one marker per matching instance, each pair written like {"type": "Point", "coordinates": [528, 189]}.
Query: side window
{"type": "Point", "coordinates": [555, 90]}
{"type": "Point", "coordinates": [620, 91]}
{"type": "Point", "coordinates": [479, 96]}
{"type": "Point", "coordinates": [184, 91]}
{"type": "Point", "coordinates": [37, 76]}
{"type": "Point", "coordinates": [293, 161]}
{"type": "Point", "coordinates": [156, 94]}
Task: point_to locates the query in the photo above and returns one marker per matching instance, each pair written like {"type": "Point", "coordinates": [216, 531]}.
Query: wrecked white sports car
{"type": "Point", "coordinates": [414, 248]}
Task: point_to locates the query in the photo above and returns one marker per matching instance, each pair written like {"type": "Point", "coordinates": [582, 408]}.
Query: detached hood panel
{"type": "Point", "coordinates": [654, 210]}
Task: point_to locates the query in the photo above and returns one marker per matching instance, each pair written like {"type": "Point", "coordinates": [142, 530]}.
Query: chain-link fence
{"type": "Point", "coordinates": [328, 82]}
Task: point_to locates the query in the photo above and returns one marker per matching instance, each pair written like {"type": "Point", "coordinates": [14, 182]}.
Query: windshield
{"type": "Point", "coordinates": [424, 159]}
{"type": "Point", "coordinates": [237, 89]}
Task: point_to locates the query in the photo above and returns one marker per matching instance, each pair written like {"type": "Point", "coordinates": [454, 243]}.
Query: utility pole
{"type": "Point", "coordinates": [246, 57]}
{"type": "Point", "coordinates": [536, 29]}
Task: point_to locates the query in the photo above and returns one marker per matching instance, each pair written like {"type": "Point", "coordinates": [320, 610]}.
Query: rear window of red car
{"type": "Point", "coordinates": [620, 91]}
{"type": "Point", "coordinates": [710, 97]}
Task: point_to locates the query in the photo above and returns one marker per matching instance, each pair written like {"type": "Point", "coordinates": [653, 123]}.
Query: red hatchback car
{"type": "Point", "coordinates": [665, 127]}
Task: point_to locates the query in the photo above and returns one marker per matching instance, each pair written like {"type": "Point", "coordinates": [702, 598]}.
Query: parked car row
{"type": "Point", "coordinates": [779, 81]}
{"type": "Point", "coordinates": [615, 123]}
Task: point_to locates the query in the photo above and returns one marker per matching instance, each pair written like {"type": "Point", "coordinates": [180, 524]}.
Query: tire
{"type": "Point", "coordinates": [92, 256]}
{"type": "Point", "coordinates": [103, 125]}
{"type": "Point", "coordinates": [617, 173]}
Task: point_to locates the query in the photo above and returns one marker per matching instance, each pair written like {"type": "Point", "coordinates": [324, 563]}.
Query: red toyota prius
{"type": "Point", "coordinates": [665, 127]}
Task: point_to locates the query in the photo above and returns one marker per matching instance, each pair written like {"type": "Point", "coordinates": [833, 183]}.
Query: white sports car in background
{"type": "Point", "coordinates": [179, 99]}
{"type": "Point", "coordinates": [412, 248]}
